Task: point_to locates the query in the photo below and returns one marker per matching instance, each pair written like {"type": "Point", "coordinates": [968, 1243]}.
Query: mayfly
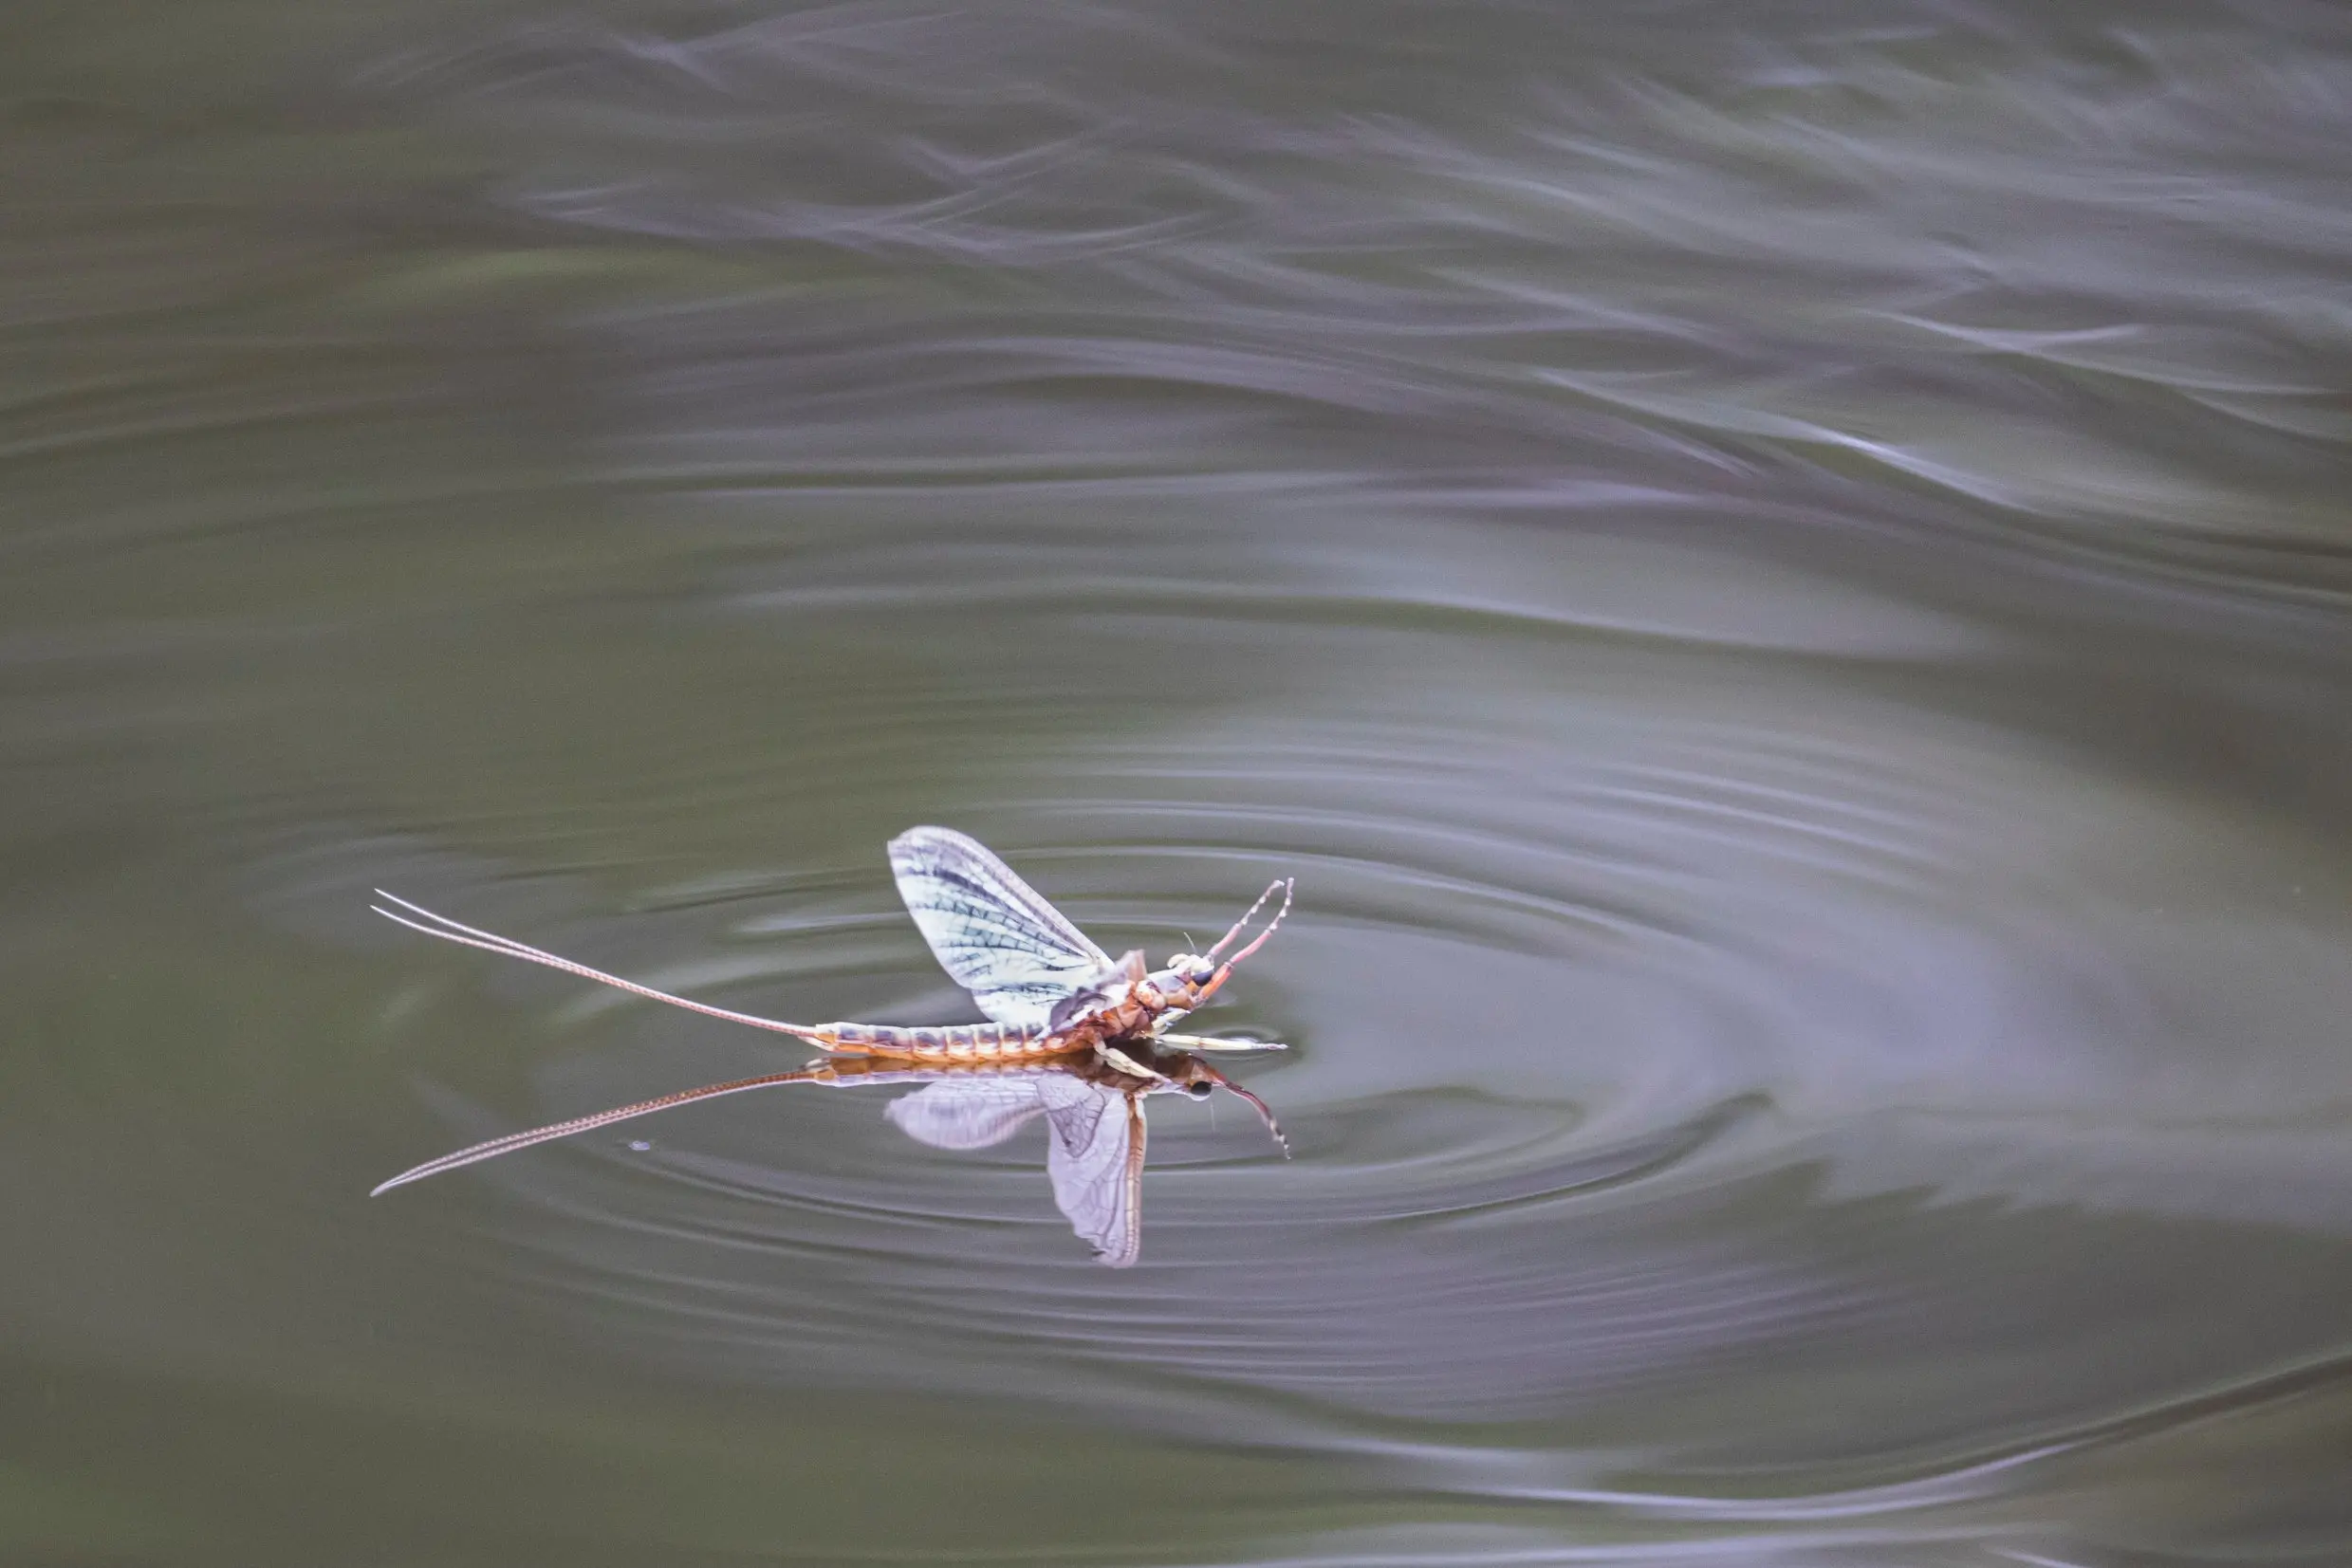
{"type": "Point", "coordinates": [1074, 1034]}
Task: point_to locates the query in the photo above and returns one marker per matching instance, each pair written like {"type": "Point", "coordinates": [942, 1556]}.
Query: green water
{"type": "Point", "coordinates": [1776, 574]}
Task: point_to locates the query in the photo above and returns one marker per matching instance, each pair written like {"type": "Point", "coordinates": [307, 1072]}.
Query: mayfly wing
{"type": "Point", "coordinates": [1016, 954]}
{"type": "Point", "coordinates": [968, 1112]}
{"type": "Point", "coordinates": [513, 1141]}
{"type": "Point", "coordinates": [1095, 1158]}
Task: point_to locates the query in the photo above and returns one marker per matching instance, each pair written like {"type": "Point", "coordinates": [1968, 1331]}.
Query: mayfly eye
{"type": "Point", "coordinates": [1200, 1091]}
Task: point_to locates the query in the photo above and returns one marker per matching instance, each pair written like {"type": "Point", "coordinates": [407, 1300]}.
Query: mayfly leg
{"type": "Point", "coordinates": [1266, 1111]}
{"type": "Point", "coordinates": [1204, 1042]}
{"type": "Point", "coordinates": [1283, 884]}
{"type": "Point", "coordinates": [1225, 969]}
{"type": "Point", "coordinates": [1112, 1057]}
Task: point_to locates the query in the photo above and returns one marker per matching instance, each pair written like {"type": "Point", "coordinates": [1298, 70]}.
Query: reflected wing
{"type": "Point", "coordinates": [967, 1113]}
{"type": "Point", "coordinates": [1096, 1160]}
{"type": "Point", "coordinates": [1015, 953]}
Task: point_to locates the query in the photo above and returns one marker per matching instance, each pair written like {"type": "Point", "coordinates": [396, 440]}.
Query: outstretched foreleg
{"type": "Point", "coordinates": [1204, 1042]}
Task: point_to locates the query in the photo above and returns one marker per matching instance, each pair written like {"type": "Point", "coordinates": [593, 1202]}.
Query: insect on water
{"type": "Point", "coordinates": [1074, 1034]}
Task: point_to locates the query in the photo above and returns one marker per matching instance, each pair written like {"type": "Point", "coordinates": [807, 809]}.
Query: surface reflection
{"type": "Point", "coordinates": [1094, 1120]}
{"type": "Point", "coordinates": [1779, 575]}
{"type": "Point", "coordinates": [1074, 1034]}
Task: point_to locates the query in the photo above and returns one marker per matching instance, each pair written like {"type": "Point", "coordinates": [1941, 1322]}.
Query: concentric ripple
{"type": "Point", "coordinates": [1776, 576]}
{"type": "Point", "coordinates": [1640, 1023]}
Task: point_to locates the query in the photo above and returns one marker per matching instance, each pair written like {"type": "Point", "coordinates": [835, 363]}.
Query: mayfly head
{"type": "Point", "coordinates": [1180, 980]}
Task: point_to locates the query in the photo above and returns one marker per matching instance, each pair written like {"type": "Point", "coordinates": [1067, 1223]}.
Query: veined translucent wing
{"type": "Point", "coordinates": [967, 1113]}
{"type": "Point", "coordinates": [1094, 1150]}
{"type": "Point", "coordinates": [1095, 1158]}
{"type": "Point", "coordinates": [1016, 954]}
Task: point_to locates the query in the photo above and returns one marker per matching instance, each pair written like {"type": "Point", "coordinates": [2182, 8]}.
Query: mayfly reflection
{"type": "Point", "coordinates": [1074, 1036]}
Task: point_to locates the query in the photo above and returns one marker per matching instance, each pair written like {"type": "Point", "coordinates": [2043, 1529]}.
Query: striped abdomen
{"type": "Point", "coordinates": [955, 1044]}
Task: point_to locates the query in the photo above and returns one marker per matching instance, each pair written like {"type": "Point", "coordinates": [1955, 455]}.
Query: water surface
{"type": "Point", "coordinates": [1776, 574]}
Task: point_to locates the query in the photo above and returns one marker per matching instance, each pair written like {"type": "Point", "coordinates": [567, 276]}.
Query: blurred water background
{"type": "Point", "coordinates": [1778, 574]}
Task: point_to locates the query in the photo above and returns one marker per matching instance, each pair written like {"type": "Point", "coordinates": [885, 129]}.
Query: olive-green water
{"type": "Point", "coordinates": [1776, 573]}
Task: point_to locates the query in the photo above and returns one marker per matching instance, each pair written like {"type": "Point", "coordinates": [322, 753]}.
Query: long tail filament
{"type": "Point", "coordinates": [451, 930]}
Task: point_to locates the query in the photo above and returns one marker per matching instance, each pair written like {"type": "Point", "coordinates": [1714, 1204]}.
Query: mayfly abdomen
{"type": "Point", "coordinates": [963, 1044]}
